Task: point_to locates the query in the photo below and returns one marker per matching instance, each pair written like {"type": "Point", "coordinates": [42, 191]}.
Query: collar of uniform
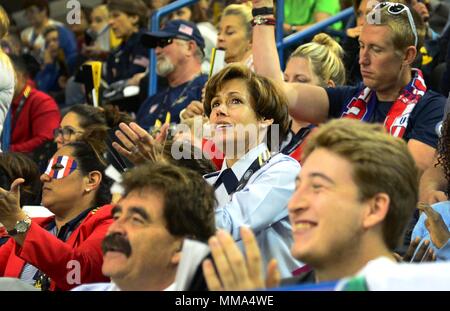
{"type": "Point", "coordinates": [240, 167]}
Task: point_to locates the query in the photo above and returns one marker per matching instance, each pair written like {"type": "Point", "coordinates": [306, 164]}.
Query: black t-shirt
{"type": "Point", "coordinates": [427, 113]}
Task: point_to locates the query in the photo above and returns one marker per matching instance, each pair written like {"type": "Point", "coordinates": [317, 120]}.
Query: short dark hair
{"type": "Point", "coordinates": [131, 7]}
{"type": "Point", "coordinates": [15, 165]}
{"type": "Point", "coordinates": [40, 4]}
{"type": "Point", "coordinates": [89, 159]}
{"type": "Point", "coordinates": [267, 99]}
{"type": "Point", "coordinates": [189, 201]}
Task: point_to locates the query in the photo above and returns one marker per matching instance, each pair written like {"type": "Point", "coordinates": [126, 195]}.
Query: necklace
{"type": "Point", "coordinates": [177, 100]}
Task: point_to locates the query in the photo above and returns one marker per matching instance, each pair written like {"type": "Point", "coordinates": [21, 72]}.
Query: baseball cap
{"type": "Point", "coordinates": [174, 29]}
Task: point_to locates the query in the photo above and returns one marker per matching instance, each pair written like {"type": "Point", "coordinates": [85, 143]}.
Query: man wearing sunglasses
{"type": "Point", "coordinates": [179, 50]}
{"type": "Point", "coordinates": [393, 93]}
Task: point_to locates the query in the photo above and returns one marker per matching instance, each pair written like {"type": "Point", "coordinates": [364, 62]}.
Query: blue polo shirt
{"type": "Point", "coordinates": [171, 100]}
{"type": "Point", "coordinates": [427, 113]}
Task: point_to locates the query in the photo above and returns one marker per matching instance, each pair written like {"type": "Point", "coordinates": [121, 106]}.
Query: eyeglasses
{"type": "Point", "coordinates": [66, 132]}
{"type": "Point", "coordinates": [396, 9]}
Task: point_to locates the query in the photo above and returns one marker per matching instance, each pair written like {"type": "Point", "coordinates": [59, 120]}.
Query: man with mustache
{"type": "Point", "coordinates": [180, 51]}
{"type": "Point", "coordinates": [162, 206]}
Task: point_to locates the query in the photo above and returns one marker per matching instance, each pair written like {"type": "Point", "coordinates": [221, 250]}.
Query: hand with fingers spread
{"type": "Point", "coordinates": [419, 252]}
{"type": "Point", "coordinates": [10, 211]}
{"type": "Point", "coordinates": [435, 225]}
{"type": "Point", "coordinates": [139, 145]}
{"type": "Point", "coordinates": [233, 271]}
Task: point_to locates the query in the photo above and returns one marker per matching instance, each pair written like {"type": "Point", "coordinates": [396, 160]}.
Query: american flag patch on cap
{"type": "Point", "coordinates": [187, 30]}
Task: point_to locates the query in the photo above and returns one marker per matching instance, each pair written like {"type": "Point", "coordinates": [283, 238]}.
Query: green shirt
{"type": "Point", "coordinates": [301, 12]}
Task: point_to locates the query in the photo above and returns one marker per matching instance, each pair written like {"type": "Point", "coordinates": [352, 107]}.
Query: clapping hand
{"type": "Point", "coordinates": [140, 146]}
{"type": "Point", "coordinates": [234, 272]}
{"type": "Point", "coordinates": [423, 253]}
{"type": "Point", "coordinates": [10, 211]}
{"type": "Point", "coordinates": [435, 225]}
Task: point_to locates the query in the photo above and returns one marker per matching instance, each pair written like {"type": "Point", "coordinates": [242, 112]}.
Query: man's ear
{"type": "Point", "coordinates": [176, 256]}
{"type": "Point", "coordinates": [94, 179]}
{"type": "Point", "coordinates": [410, 55]}
{"type": "Point", "coordinates": [376, 211]}
{"type": "Point", "coordinates": [135, 20]}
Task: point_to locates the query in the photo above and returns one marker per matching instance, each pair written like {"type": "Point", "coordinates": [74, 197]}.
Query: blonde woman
{"type": "Point", "coordinates": [235, 34]}
{"type": "Point", "coordinates": [317, 63]}
{"type": "Point", "coordinates": [7, 77]}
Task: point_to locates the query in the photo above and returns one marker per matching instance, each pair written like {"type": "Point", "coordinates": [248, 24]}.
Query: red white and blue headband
{"type": "Point", "coordinates": [61, 166]}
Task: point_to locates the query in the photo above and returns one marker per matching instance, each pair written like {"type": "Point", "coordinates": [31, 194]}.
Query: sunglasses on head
{"type": "Point", "coordinates": [396, 9]}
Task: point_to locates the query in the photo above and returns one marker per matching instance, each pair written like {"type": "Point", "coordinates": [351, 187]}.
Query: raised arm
{"type": "Point", "coordinates": [306, 102]}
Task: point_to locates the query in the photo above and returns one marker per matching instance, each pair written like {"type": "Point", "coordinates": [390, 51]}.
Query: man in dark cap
{"type": "Point", "coordinates": [179, 51]}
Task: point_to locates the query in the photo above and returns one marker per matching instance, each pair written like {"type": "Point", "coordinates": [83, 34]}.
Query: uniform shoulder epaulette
{"type": "Point", "coordinates": [95, 210]}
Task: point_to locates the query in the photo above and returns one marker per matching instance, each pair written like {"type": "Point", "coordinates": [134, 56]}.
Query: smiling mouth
{"type": "Point", "coordinates": [302, 226]}
{"type": "Point", "coordinates": [222, 126]}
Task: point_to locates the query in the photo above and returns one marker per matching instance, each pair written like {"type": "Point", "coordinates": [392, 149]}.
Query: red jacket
{"type": "Point", "coordinates": [52, 256]}
{"type": "Point", "coordinates": [37, 120]}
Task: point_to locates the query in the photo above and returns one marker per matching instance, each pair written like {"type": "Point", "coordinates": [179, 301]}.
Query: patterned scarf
{"type": "Point", "coordinates": [396, 121]}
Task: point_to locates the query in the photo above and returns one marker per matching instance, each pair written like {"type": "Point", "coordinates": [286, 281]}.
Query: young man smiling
{"type": "Point", "coordinates": [354, 197]}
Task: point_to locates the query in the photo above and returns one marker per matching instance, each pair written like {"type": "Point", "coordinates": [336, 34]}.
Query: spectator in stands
{"type": "Point", "coordinates": [85, 120]}
{"type": "Point", "coordinates": [252, 186]}
{"type": "Point", "coordinates": [34, 114]}
{"type": "Point", "coordinates": [40, 251]}
{"type": "Point", "coordinates": [235, 37]}
{"type": "Point", "coordinates": [127, 20]}
{"type": "Point", "coordinates": [7, 77]}
{"type": "Point", "coordinates": [79, 29]}
{"type": "Point", "coordinates": [38, 13]}
{"type": "Point", "coordinates": [88, 122]}
{"type": "Point", "coordinates": [15, 165]}
{"type": "Point", "coordinates": [179, 51]}
{"type": "Point", "coordinates": [354, 197]}
{"type": "Point", "coordinates": [235, 34]}
{"type": "Point", "coordinates": [100, 37]}
{"type": "Point", "coordinates": [350, 44]}
{"type": "Point", "coordinates": [435, 182]}
{"type": "Point", "coordinates": [52, 78]}
{"type": "Point", "coordinates": [197, 15]}
{"type": "Point", "coordinates": [163, 205]}
{"type": "Point", "coordinates": [317, 63]}
{"type": "Point", "coordinates": [299, 15]}
{"type": "Point", "coordinates": [393, 93]}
